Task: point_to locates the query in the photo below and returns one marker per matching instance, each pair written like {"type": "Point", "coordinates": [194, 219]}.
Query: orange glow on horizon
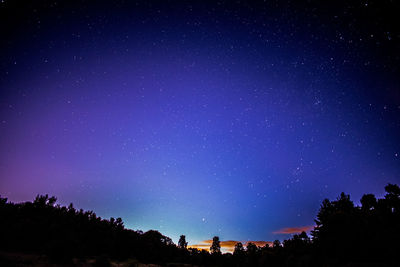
{"type": "Point", "coordinates": [228, 245]}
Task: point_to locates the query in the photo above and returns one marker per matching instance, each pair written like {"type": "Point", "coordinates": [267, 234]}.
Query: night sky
{"type": "Point", "coordinates": [203, 118]}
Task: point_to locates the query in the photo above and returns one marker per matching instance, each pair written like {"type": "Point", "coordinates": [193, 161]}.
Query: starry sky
{"type": "Point", "coordinates": [203, 118]}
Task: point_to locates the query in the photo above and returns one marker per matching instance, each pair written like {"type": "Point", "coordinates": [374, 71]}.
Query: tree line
{"type": "Point", "coordinates": [344, 235]}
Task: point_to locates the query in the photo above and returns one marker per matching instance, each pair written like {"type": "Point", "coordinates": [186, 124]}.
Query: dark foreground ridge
{"type": "Point", "coordinates": [44, 233]}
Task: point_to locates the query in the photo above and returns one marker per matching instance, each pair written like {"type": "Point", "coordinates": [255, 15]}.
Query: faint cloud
{"type": "Point", "coordinates": [294, 230]}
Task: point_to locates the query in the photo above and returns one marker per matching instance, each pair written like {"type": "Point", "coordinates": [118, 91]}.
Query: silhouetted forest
{"type": "Point", "coordinates": [344, 235]}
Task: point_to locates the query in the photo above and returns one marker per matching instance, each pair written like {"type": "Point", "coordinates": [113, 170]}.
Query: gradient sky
{"type": "Point", "coordinates": [204, 118]}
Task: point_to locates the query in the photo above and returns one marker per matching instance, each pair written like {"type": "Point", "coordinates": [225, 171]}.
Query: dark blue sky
{"type": "Point", "coordinates": [226, 118]}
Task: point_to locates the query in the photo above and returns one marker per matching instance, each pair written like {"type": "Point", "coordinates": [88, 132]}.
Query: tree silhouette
{"type": "Point", "coordinates": [182, 242]}
{"type": "Point", "coordinates": [239, 249]}
{"type": "Point", "coordinates": [251, 251]}
{"type": "Point", "coordinates": [393, 197]}
{"type": "Point", "coordinates": [345, 235]}
{"type": "Point", "coordinates": [393, 189]}
{"type": "Point", "coordinates": [251, 248]}
{"type": "Point", "coordinates": [276, 244]}
{"type": "Point", "coordinates": [338, 228]}
{"type": "Point", "coordinates": [368, 202]}
{"type": "Point", "coordinates": [63, 233]}
{"type": "Point", "coordinates": [216, 246]}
